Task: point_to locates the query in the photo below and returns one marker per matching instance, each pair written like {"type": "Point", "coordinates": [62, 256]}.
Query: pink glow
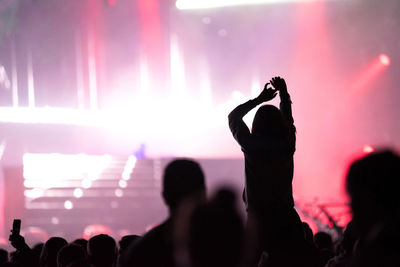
{"type": "Point", "coordinates": [368, 149]}
{"type": "Point", "coordinates": [385, 60]}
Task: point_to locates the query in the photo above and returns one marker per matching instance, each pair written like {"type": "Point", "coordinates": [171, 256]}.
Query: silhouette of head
{"type": "Point", "coordinates": [183, 179]}
{"type": "Point", "coordinates": [81, 242]}
{"type": "Point", "coordinates": [323, 240]}
{"type": "Point", "coordinates": [216, 232]}
{"type": "Point", "coordinates": [69, 254]}
{"type": "Point", "coordinates": [50, 249]}
{"type": "Point", "coordinates": [373, 183]}
{"type": "Point", "coordinates": [268, 121]}
{"type": "Point", "coordinates": [126, 241]}
{"type": "Point", "coordinates": [102, 250]}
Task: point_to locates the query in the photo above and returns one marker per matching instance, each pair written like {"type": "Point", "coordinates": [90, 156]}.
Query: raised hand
{"type": "Point", "coordinates": [279, 84]}
{"type": "Point", "coordinates": [17, 241]}
{"type": "Point", "coordinates": [267, 94]}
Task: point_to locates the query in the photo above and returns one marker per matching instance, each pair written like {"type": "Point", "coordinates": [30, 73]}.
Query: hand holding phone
{"type": "Point", "coordinates": [17, 241]}
{"type": "Point", "coordinates": [16, 228]}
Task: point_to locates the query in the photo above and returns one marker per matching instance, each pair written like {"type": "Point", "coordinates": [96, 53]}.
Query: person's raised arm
{"type": "Point", "coordinates": [286, 104]}
{"type": "Point", "coordinates": [236, 124]}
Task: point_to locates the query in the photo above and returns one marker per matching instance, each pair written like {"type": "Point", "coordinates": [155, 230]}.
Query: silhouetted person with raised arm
{"type": "Point", "coordinates": [183, 182]}
{"type": "Point", "coordinates": [24, 256]}
{"type": "Point", "coordinates": [373, 184]}
{"type": "Point", "coordinates": [268, 151]}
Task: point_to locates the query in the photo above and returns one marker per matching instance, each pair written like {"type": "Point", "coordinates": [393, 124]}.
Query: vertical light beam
{"type": "Point", "coordinates": [14, 76]}
{"type": "Point", "coordinates": [31, 82]}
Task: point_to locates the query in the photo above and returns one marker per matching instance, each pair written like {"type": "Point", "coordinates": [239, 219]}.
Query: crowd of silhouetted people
{"type": "Point", "coordinates": [203, 231]}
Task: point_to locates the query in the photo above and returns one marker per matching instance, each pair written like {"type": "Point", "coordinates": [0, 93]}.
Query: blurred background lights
{"type": "Point", "coordinates": [122, 184]}
{"type": "Point", "coordinates": [78, 193]}
{"type": "Point", "coordinates": [86, 183]}
{"type": "Point", "coordinates": [384, 59]}
{"type": "Point", "coordinates": [200, 4]}
{"type": "Point", "coordinates": [34, 193]}
{"type": "Point", "coordinates": [129, 166]}
{"type": "Point", "coordinates": [222, 32]}
{"type": "Point", "coordinates": [119, 192]}
{"type": "Point", "coordinates": [206, 20]}
{"type": "Point", "coordinates": [68, 205]}
{"type": "Point", "coordinates": [368, 149]}
{"type": "Point", "coordinates": [55, 220]}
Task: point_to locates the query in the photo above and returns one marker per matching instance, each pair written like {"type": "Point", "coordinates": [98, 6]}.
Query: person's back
{"type": "Point", "coordinates": [183, 182]}
{"type": "Point", "coordinates": [268, 150]}
{"type": "Point", "coordinates": [155, 248]}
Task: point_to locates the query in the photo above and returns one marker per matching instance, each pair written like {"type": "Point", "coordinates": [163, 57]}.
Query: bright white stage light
{"type": "Point", "coordinates": [53, 166]}
{"type": "Point", "coordinates": [78, 193]}
{"type": "Point", "coordinates": [200, 4]}
{"type": "Point", "coordinates": [129, 166]}
{"type": "Point", "coordinates": [68, 205]}
{"type": "Point", "coordinates": [86, 183]}
{"type": "Point", "coordinates": [122, 183]}
{"type": "Point", "coordinates": [368, 149]}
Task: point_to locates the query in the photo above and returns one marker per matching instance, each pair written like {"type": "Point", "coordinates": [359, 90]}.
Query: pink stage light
{"type": "Point", "coordinates": [371, 71]}
{"type": "Point", "coordinates": [384, 59]}
{"type": "Point", "coordinates": [368, 149]}
{"type": "Point", "coordinates": [111, 2]}
{"type": "Point", "coordinates": [96, 229]}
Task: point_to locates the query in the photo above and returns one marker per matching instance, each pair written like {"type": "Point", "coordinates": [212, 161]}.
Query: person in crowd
{"type": "Point", "coordinates": [268, 153]}
{"type": "Point", "coordinates": [69, 254]}
{"type": "Point", "coordinates": [3, 256]}
{"type": "Point", "coordinates": [37, 251]}
{"type": "Point", "coordinates": [323, 240]}
{"type": "Point", "coordinates": [24, 256]}
{"type": "Point", "coordinates": [81, 242]}
{"type": "Point", "coordinates": [126, 241]}
{"type": "Point", "coordinates": [372, 183]}
{"type": "Point", "coordinates": [346, 247]}
{"type": "Point", "coordinates": [308, 233]}
{"type": "Point", "coordinates": [324, 244]}
{"type": "Point", "coordinates": [102, 251]}
{"type": "Point", "coordinates": [183, 183]}
{"type": "Point", "coordinates": [48, 257]}
{"type": "Point", "coordinates": [216, 233]}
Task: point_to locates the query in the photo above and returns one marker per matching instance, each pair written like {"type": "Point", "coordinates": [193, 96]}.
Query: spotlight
{"type": "Point", "coordinates": [384, 59]}
{"type": "Point", "coordinates": [119, 192]}
{"type": "Point", "coordinates": [68, 205]}
{"type": "Point", "coordinates": [78, 193]}
{"type": "Point", "coordinates": [368, 149]}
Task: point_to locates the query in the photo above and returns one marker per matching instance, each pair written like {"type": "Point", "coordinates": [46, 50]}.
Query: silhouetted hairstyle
{"type": "Point", "coordinates": [268, 121]}
{"type": "Point", "coordinates": [182, 178]}
{"type": "Point", "coordinates": [102, 250]}
{"type": "Point", "coordinates": [69, 254]}
{"type": "Point", "coordinates": [48, 257]}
